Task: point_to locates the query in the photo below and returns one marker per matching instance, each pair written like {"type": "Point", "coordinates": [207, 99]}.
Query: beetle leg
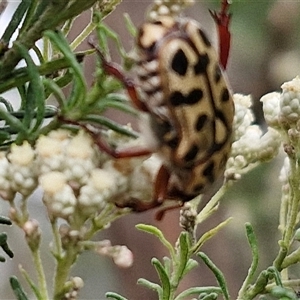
{"type": "Point", "coordinates": [114, 70]}
{"type": "Point", "coordinates": [119, 153]}
{"type": "Point", "coordinates": [161, 185]}
{"type": "Point", "coordinates": [222, 19]}
{"type": "Point", "coordinates": [160, 194]}
{"type": "Point", "coordinates": [116, 153]}
{"type": "Point", "coordinates": [103, 146]}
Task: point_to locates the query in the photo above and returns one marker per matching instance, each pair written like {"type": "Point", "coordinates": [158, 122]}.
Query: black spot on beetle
{"type": "Point", "coordinates": [173, 143]}
{"type": "Point", "coordinates": [218, 74]}
{"type": "Point", "coordinates": [201, 121]}
{"type": "Point", "coordinates": [157, 23]}
{"type": "Point", "coordinates": [180, 63]}
{"type": "Point", "coordinates": [194, 96]}
{"type": "Point", "coordinates": [201, 65]}
{"type": "Point", "coordinates": [192, 153]}
{"type": "Point", "coordinates": [204, 38]}
{"type": "Point", "coordinates": [198, 188]}
{"type": "Point", "coordinates": [225, 95]}
{"type": "Point", "coordinates": [175, 193]}
{"type": "Point", "coordinates": [151, 48]}
{"type": "Point", "coordinates": [177, 98]}
{"type": "Point", "coordinates": [208, 172]}
{"type": "Point", "coordinates": [220, 115]}
{"type": "Point", "coordinates": [161, 128]}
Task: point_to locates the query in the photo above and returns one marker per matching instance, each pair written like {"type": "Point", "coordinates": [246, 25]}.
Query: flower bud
{"type": "Point", "coordinates": [122, 257]}
{"type": "Point", "coordinates": [22, 169]}
{"type": "Point", "coordinates": [290, 102]}
{"type": "Point", "coordinates": [243, 116]}
{"type": "Point", "coordinates": [58, 197]}
{"type": "Point", "coordinates": [271, 109]}
{"type": "Point", "coordinates": [32, 234]}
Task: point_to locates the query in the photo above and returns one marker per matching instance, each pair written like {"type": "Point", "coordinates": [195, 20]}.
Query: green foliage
{"type": "Point", "coordinates": [37, 81]}
{"type": "Point", "coordinates": [3, 239]}
{"type": "Point", "coordinates": [17, 289]}
{"type": "Point", "coordinates": [174, 268]}
{"type": "Point", "coordinates": [59, 65]}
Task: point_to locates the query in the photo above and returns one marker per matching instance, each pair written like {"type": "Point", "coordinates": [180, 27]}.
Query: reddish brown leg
{"type": "Point", "coordinates": [121, 153]}
{"type": "Point", "coordinates": [161, 185]}
{"type": "Point", "coordinates": [115, 71]}
{"type": "Point", "coordinates": [222, 19]}
{"type": "Point", "coordinates": [102, 145]}
{"type": "Point", "coordinates": [160, 193]}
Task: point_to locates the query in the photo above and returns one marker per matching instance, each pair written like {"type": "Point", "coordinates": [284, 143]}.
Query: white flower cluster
{"type": "Point", "coordinates": [271, 109]}
{"type": "Point", "coordinates": [76, 284]}
{"type": "Point", "coordinates": [120, 254]}
{"type": "Point", "coordinates": [250, 144]}
{"type": "Point", "coordinates": [168, 8]}
{"type": "Point", "coordinates": [282, 112]}
{"type": "Point", "coordinates": [74, 175]}
{"type": "Point", "coordinates": [284, 174]}
{"type": "Point", "coordinates": [18, 172]}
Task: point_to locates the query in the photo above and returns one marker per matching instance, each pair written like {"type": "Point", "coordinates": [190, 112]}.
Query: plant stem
{"type": "Point", "coordinates": [212, 205]}
{"type": "Point", "coordinates": [83, 35]}
{"type": "Point", "coordinates": [41, 274]}
{"type": "Point", "coordinates": [293, 208]}
{"type": "Point", "coordinates": [62, 271]}
{"type": "Point", "coordinates": [57, 240]}
{"type": "Point", "coordinates": [255, 258]}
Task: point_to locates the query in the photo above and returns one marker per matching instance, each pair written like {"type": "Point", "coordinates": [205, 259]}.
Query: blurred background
{"type": "Point", "coordinates": [265, 53]}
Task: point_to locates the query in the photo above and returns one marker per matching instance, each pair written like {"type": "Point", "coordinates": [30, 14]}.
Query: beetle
{"type": "Point", "coordinates": [186, 105]}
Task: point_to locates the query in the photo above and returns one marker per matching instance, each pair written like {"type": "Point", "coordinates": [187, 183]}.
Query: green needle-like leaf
{"type": "Point", "coordinates": [15, 124]}
{"type": "Point", "coordinates": [276, 275]}
{"type": "Point", "coordinates": [255, 258]}
{"type": "Point", "coordinates": [283, 293]}
{"type": "Point", "coordinates": [79, 87]}
{"type": "Point", "coordinates": [191, 264]}
{"type": "Point", "coordinates": [4, 245]}
{"type": "Point", "coordinates": [5, 220]}
{"type": "Point", "coordinates": [53, 88]}
{"type": "Point", "coordinates": [183, 257]}
{"type": "Point", "coordinates": [150, 285]}
{"type": "Point", "coordinates": [167, 265]}
{"type": "Point", "coordinates": [34, 12]}
{"type": "Point", "coordinates": [115, 296]}
{"type": "Point", "coordinates": [130, 25]}
{"type": "Point", "coordinates": [35, 93]}
{"type": "Point", "coordinates": [15, 20]}
{"type": "Point", "coordinates": [155, 231]}
{"type": "Point", "coordinates": [199, 290]}
{"type": "Point", "coordinates": [209, 234]}
{"type": "Point", "coordinates": [17, 289]}
{"type": "Point", "coordinates": [218, 274]}
{"type": "Point", "coordinates": [31, 283]}
{"type": "Point", "coordinates": [164, 279]}
{"type": "Point", "coordinates": [7, 104]}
